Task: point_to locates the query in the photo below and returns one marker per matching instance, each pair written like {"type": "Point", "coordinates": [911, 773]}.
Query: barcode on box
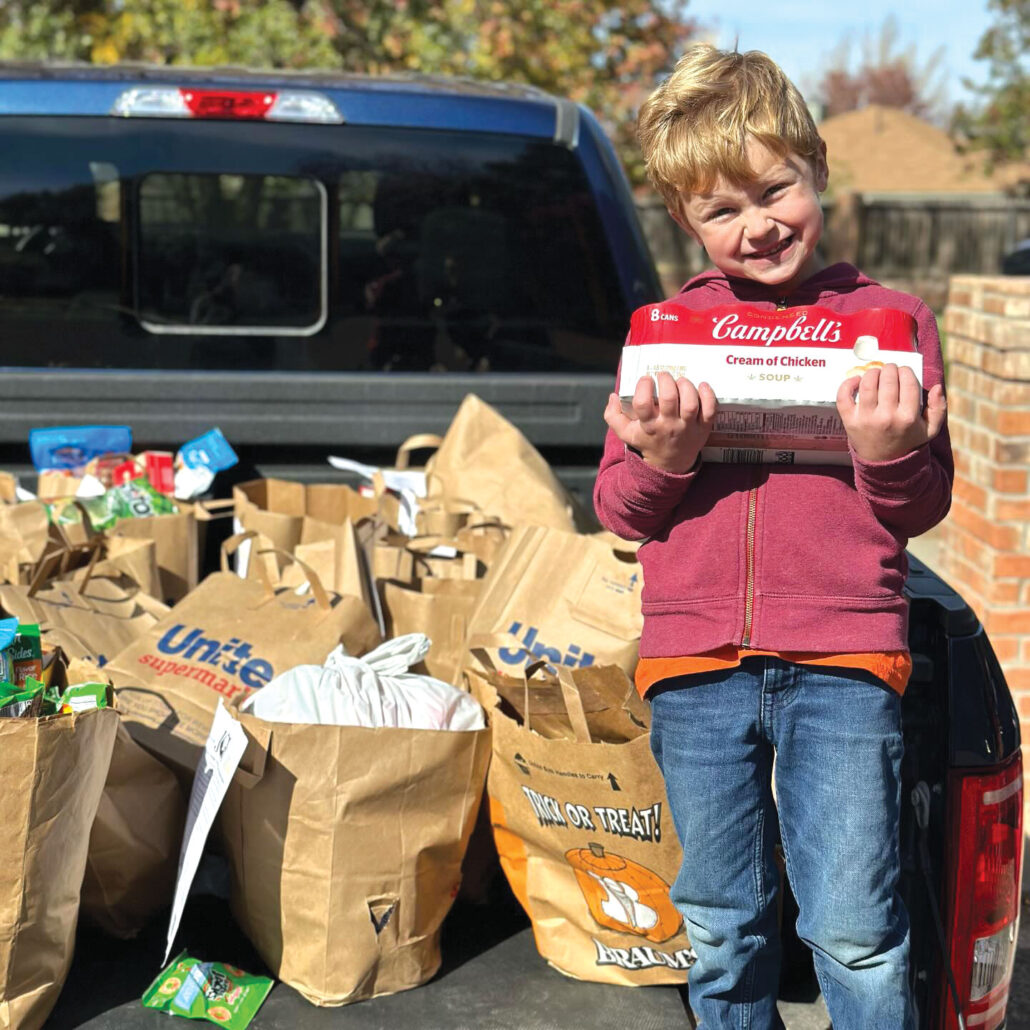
{"type": "Point", "coordinates": [742, 455]}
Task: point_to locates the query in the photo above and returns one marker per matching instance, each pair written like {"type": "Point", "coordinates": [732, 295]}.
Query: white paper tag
{"type": "Point", "coordinates": [222, 754]}
{"type": "Point", "coordinates": [242, 555]}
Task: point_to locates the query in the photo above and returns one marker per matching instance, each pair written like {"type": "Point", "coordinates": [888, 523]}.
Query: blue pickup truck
{"type": "Point", "coordinates": [323, 263]}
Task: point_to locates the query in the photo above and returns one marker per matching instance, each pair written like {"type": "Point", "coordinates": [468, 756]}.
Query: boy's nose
{"type": "Point", "coordinates": [758, 226]}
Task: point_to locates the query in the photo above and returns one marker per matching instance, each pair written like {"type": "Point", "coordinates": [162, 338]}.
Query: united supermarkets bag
{"type": "Point", "coordinates": [53, 771]}
{"type": "Point", "coordinates": [569, 598]}
{"type": "Point", "coordinates": [345, 847]}
{"type": "Point", "coordinates": [581, 823]}
{"type": "Point", "coordinates": [226, 639]}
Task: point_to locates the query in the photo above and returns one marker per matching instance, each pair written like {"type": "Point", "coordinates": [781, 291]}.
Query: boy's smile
{"type": "Point", "coordinates": [766, 229]}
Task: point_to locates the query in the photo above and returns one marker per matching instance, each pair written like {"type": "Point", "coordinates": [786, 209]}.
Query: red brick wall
{"type": "Point", "coordinates": [985, 541]}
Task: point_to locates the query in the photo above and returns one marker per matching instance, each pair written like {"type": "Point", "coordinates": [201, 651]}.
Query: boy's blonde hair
{"type": "Point", "coordinates": [695, 126]}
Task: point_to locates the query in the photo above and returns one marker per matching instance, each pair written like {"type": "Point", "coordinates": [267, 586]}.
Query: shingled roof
{"type": "Point", "coordinates": [886, 150]}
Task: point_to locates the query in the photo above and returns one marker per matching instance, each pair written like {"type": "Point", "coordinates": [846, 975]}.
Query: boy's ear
{"type": "Point", "coordinates": [820, 168]}
{"type": "Point", "coordinates": [676, 212]}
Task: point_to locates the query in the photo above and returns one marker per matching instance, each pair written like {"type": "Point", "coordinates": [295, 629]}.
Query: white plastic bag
{"type": "Point", "coordinates": [375, 690]}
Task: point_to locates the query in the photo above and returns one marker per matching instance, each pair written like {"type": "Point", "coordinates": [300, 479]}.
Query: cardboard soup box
{"type": "Point", "coordinates": [775, 373]}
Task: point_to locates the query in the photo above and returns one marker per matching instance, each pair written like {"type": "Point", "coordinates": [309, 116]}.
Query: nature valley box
{"type": "Point", "coordinates": [775, 373]}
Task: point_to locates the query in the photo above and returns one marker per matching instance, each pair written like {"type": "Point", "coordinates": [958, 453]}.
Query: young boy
{"type": "Point", "coordinates": [774, 620]}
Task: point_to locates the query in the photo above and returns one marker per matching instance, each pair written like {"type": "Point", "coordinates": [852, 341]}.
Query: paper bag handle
{"type": "Point", "coordinates": [96, 547]}
{"type": "Point", "coordinates": [478, 644]}
{"type": "Point", "coordinates": [87, 522]}
{"type": "Point", "coordinates": [570, 695]}
{"type": "Point", "coordinates": [317, 590]}
{"type": "Point", "coordinates": [43, 571]}
{"type": "Point", "coordinates": [232, 544]}
{"type": "Point", "coordinates": [418, 442]}
{"type": "Point", "coordinates": [215, 508]}
{"type": "Point", "coordinates": [574, 706]}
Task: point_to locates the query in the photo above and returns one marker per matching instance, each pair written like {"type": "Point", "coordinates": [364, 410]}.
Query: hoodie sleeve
{"type": "Point", "coordinates": [632, 498]}
{"type": "Point", "coordinates": [911, 494]}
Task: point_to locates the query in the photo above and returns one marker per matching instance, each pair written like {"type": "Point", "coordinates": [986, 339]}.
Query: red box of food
{"type": "Point", "coordinates": [775, 373]}
{"type": "Point", "coordinates": [158, 467]}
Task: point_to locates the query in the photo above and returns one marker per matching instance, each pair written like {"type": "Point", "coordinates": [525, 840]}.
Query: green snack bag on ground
{"type": "Point", "coordinates": [213, 991]}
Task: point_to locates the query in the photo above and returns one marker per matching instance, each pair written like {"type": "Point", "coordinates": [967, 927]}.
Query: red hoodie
{"type": "Point", "coordinates": [773, 557]}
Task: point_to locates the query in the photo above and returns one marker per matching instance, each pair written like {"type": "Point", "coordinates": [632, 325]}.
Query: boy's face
{"type": "Point", "coordinates": [767, 229]}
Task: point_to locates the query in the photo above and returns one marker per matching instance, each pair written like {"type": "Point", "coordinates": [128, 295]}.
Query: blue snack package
{"type": "Point", "coordinates": [210, 450]}
{"type": "Point", "coordinates": [71, 447]}
{"type": "Point", "coordinates": [8, 631]}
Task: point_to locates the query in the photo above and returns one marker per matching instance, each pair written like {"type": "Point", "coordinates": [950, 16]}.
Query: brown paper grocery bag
{"type": "Point", "coordinates": [276, 508]}
{"type": "Point", "coordinates": [335, 553]}
{"type": "Point", "coordinates": [53, 772]}
{"type": "Point", "coordinates": [345, 847]}
{"type": "Point", "coordinates": [177, 547]}
{"type": "Point", "coordinates": [485, 460]}
{"type": "Point", "coordinates": [104, 613]}
{"type": "Point", "coordinates": [134, 843]}
{"type": "Point", "coordinates": [25, 536]}
{"type": "Point", "coordinates": [227, 638]}
{"type": "Point", "coordinates": [439, 608]}
{"type": "Point", "coordinates": [582, 826]}
{"type": "Point", "coordinates": [568, 598]}
{"type": "Point", "coordinates": [134, 558]}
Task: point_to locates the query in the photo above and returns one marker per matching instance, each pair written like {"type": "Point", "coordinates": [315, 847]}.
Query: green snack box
{"type": "Point", "coordinates": [22, 658]}
{"type": "Point", "coordinates": [221, 994]}
{"type": "Point", "coordinates": [82, 697]}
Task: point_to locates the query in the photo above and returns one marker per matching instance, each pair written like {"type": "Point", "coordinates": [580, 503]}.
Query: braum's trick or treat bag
{"type": "Point", "coordinates": [775, 373]}
{"type": "Point", "coordinates": [581, 823]}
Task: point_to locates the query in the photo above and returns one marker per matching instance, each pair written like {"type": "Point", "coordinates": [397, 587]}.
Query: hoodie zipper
{"type": "Point", "coordinates": [749, 551]}
{"type": "Point", "coordinates": [749, 539]}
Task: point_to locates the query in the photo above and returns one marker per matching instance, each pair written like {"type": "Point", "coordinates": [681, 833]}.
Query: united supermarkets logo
{"type": "Point", "coordinates": [573, 657]}
{"type": "Point", "coordinates": [188, 653]}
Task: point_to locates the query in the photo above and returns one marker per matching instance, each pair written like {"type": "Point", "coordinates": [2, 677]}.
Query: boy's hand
{"type": "Point", "coordinates": [887, 420]}
{"type": "Point", "coordinates": [670, 432]}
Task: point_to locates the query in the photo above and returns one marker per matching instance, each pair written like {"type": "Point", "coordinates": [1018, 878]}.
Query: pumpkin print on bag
{"type": "Point", "coordinates": [623, 895]}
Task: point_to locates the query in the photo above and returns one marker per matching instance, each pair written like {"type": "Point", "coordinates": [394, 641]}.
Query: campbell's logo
{"type": "Point", "coordinates": [730, 327]}
{"type": "Point", "coordinates": [663, 316]}
{"type": "Point", "coordinates": [233, 656]}
{"type": "Point", "coordinates": [573, 658]}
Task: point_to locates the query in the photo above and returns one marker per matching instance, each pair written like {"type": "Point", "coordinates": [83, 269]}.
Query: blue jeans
{"type": "Point", "coordinates": [836, 736]}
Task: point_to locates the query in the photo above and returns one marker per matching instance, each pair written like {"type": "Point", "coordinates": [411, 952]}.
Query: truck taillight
{"type": "Point", "coordinates": [227, 103]}
{"type": "Point", "coordinates": [285, 105]}
{"type": "Point", "coordinates": [984, 868]}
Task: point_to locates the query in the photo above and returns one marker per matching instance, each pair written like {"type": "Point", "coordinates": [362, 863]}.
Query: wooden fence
{"type": "Point", "coordinates": [912, 242]}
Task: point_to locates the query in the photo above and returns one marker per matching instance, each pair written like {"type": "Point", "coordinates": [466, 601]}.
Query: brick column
{"type": "Point", "coordinates": [985, 541]}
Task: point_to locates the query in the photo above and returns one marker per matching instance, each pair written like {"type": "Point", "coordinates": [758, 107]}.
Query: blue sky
{"type": "Point", "coordinates": [800, 34]}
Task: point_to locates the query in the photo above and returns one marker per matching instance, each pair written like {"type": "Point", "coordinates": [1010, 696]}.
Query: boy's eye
{"type": "Point", "coordinates": [719, 212]}
{"type": "Point", "coordinates": [778, 188]}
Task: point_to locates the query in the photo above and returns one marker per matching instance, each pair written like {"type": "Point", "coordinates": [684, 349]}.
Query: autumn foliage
{"type": "Point", "coordinates": [603, 53]}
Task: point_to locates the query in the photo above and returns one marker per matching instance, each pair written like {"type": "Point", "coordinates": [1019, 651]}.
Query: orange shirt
{"type": "Point", "coordinates": [892, 667]}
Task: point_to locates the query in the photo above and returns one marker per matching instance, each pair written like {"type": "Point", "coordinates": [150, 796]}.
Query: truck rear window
{"type": "Point", "coordinates": [175, 244]}
{"type": "Point", "coordinates": [237, 254]}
